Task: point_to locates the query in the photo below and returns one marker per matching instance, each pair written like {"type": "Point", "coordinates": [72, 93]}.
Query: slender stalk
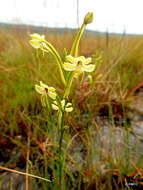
{"type": "Point", "coordinates": [75, 46]}
{"type": "Point", "coordinates": [58, 59]}
{"type": "Point", "coordinates": [22, 173]}
{"type": "Point", "coordinates": [68, 87]}
{"type": "Point", "coordinates": [49, 107]}
{"type": "Point", "coordinates": [61, 160]}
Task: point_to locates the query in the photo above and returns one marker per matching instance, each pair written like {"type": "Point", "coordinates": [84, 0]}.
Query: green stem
{"type": "Point", "coordinates": [68, 87]}
{"type": "Point", "coordinates": [75, 46]}
{"type": "Point", "coordinates": [61, 160]}
{"type": "Point", "coordinates": [49, 107]}
{"type": "Point", "coordinates": [58, 59]}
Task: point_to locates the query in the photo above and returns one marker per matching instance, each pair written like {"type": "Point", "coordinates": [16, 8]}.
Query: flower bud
{"type": "Point", "coordinates": [88, 18]}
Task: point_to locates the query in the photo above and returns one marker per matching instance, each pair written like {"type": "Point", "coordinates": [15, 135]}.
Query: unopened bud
{"type": "Point", "coordinates": [88, 18]}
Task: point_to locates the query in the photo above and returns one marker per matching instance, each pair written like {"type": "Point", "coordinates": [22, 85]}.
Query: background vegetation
{"type": "Point", "coordinates": [28, 139]}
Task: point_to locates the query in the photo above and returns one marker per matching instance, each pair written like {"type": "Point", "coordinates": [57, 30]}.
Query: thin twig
{"type": "Point", "coordinates": [22, 173]}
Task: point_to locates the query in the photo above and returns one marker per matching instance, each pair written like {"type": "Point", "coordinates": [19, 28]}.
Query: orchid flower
{"type": "Point", "coordinates": [78, 64]}
{"type": "Point", "coordinates": [45, 90]}
{"type": "Point", "coordinates": [38, 42]}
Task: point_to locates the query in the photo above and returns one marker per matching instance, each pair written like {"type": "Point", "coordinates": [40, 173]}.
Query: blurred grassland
{"type": "Point", "coordinates": [116, 78]}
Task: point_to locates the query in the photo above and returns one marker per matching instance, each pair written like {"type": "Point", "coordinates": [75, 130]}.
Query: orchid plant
{"type": "Point", "coordinates": [72, 66]}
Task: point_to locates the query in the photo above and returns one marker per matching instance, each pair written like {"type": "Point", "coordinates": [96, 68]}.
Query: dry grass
{"type": "Point", "coordinates": [115, 81]}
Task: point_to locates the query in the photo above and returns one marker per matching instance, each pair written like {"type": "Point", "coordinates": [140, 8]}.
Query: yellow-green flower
{"type": "Point", "coordinates": [78, 64]}
{"type": "Point", "coordinates": [45, 90]}
{"type": "Point", "coordinates": [67, 107]}
{"type": "Point", "coordinates": [38, 42]}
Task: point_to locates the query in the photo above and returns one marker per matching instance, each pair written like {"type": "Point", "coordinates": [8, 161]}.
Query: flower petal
{"type": "Point", "coordinates": [38, 41]}
{"type": "Point", "coordinates": [35, 44]}
{"type": "Point", "coordinates": [87, 61]}
{"type": "Point", "coordinates": [52, 95]}
{"type": "Point", "coordinates": [52, 89]}
{"type": "Point", "coordinates": [80, 59]}
{"type": "Point", "coordinates": [44, 85]}
{"type": "Point", "coordinates": [55, 107]}
{"type": "Point", "coordinates": [63, 103]}
{"type": "Point", "coordinates": [37, 36]}
{"type": "Point", "coordinates": [70, 59]}
{"type": "Point", "coordinates": [68, 105]}
{"type": "Point", "coordinates": [39, 89]}
{"type": "Point", "coordinates": [55, 102]}
{"type": "Point", "coordinates": [69, 109]}
{"type": "Point", "coordinates": [69, 66]}
{"type": "Point", "coordinates": [89, 68]}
